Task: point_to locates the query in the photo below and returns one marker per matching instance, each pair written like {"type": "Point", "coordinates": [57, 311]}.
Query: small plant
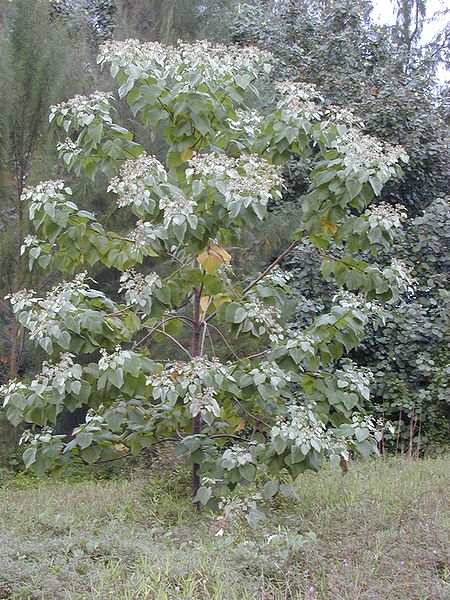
{"type": "Point", "coordinates": [287, 406]}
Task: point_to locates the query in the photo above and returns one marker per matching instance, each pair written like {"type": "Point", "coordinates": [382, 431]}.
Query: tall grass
{"type": "Point", "coordinates": [381, 533]}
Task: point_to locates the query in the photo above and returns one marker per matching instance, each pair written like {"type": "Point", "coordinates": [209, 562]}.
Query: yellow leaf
{"type": "Point", "coordinates": [187, 154]}
{"type": "Point", "coordinates": [327, 225]}
{"type": "Point", "coordinates": [221, 252]}
{"type": "Point", "coordinates": [241, 426]}
{"type": "Point", "coordinates": [120, 447]}
{"type": "Point", "coordinates": [209, 261]}
{"type": "Point", "coordinates": [212, 257]}
{"type": "Point", "coordinates": [204, 303]}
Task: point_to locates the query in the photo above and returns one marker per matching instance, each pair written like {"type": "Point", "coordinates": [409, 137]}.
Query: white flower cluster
{"type": "Point", "coordinates": [31, 241]}
{"type": "Point", "coordinates": [193, 377]}
{"type": "Point", "coordinates": [345, 116]}
{"type": "Point", "coordinates": [366, 421]}
{"type": "Point", "coordinates": [353, 378]}
{"type": "Point", "coordinates": [257, 177]}
{"type": "Point", "coordinates": [248, 121]}
{"type": "Point", "coordinates": [220, 59]}
{"type": "Point", "coordinates": [115, 360]}
{"type": "Point", "coordinates": [386, 216]}
{"type": "Point", "coordinates": [212, 166]}
{"type": "Point", "coordinates": [303, 431]}
{"type": "Point", "coordinates": [176, 209]}
{"type": "Point", "coordinates": [135, 181]}
{"type": "Point", "coordinates": [68, 146]}
{"type": "Point", "coordinates": [145, 236]}
{"type": "Point", "coordinates": [81, 111]}
{"type": "Point", "coordinates": [163, 386]}
{"type": "Point", "coordinates": [235, 457]}
{"type": "Point", "coordinates": [245, 181]}
{"type": "Point", "coordinates": [235, 509]}
{"type": "Point", "coordinates": [125, 52]}
{"type": "Point", "coordinates": [42, 316]}
{"type": "Point", "coordinates": [362, 151]}
{"type": "Point", "coordinates": [93, 423]}
{"type": "Point", "coordinates": [269, 371]}
{"type": "Point", "coordinates": [68, 150]}
{"type": "Point", "coordinates": [203, 402]}
{"type": "Point", "coordinates": [199, 369]}
{"type": "Point", "coordinates": [302, 428]}
{"type": "Point", "coordinates": [154, 59]}
{"type": "Point", "coordinates": [354, 301]}
{"type": "Point", "coordinates": [400, 274]}
{"type": "Point", "coordinates": [139, 289]}
{"type": "Point", "coordinates": [51, 384]}
{"type": "Point", "coordinates": [44, 436]}
{"type": "Point", "coordinates": [46, 194]}
{"type": "Point", "coordinates": [277, 277]}
{"type": "Point", "coordinates": [14, 387]}
{"type": "Point", "coordinates": [299, 99]}
{"type": "Point", "coordinates": [58, 374]}
{"type": "Point", "coordinates": [92, 415]}
{"type": "Point", "coordinates": [304, 341]}
{"type": "Point", "coordinates": [265, 319]}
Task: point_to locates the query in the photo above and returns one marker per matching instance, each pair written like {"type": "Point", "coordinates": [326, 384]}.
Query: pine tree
{"type": "Point", "coordinates": [39, 64]}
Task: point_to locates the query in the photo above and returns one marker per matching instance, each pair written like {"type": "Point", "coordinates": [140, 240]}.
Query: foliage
{"type": "Point", "coordinates": [40, 62]}
{"type": "Point", "coordinates": [357, 64]}
{"type": "Point", "coordinates": [281, 410]}
{"type": "Point", "coordinates": [394, 89]}
{"type": "Point", "coordinates": [409, 356]}
{"type": "Point", "coordinates": [99, 14]}
{"type": "Point", "coordinates": [172, 20]}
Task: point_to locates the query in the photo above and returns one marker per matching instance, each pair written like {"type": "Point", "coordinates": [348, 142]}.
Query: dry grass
{"type": "Point", "coordinates": [381, 534]}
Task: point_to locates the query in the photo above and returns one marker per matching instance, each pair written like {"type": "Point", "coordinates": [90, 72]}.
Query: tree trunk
{"type": "Point", "coordinates": [196, 422]}
{"type": "Point", "coordinates": [16, 351]}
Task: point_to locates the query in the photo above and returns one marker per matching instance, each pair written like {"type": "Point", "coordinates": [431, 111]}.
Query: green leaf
{"type": "Point", "coordinates": [280, 445]}
{"type": "Point", "coordinates": [240, 315]}
{"type": "Point", "coordinates": [91, 454]}
{"type": "Point", "coordinates": [29, 456]}
{"type": "Point", "coordinates": [270, 489]}
{"type": "Point", "coordinates": [362, 434]}
{"type": "Point", "coordinates": [247, 471]}
{"type": "Point", "coordinates": [203, 495]}
{"type": "Point", "coordinates": [84, 439]}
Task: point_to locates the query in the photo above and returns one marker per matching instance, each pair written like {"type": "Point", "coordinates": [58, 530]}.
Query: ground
{"type": "Point", "coordinates": [381, 533]}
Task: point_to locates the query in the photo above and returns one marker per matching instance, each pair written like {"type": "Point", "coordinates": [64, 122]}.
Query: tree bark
{"type": "Point", "coordinates": [196, 421]}
{"type": "Point", "coordinates": [15, 356]}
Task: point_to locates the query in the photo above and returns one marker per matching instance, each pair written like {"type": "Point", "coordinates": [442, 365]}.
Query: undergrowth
{"type": "Point", "coordinates": [379, 532]}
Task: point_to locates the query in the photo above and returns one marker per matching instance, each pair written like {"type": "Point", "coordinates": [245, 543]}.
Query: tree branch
{"type": "Point", "coordinates": [272, 265]}
{"type": "Point", "coordinates": [174, 340]}
{"type": "Point", "coordinates": [155, 328]}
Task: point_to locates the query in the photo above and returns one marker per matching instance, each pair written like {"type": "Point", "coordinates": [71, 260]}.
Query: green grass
{"type": "Point", "coordinates": [381, 534]}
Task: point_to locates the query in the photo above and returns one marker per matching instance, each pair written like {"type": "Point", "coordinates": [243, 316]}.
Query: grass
{"type": "Point", "coordinates": [381, 533]}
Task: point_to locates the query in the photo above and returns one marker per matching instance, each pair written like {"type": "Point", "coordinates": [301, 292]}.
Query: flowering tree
{"type": "Point", "coordinates": [295, 401]}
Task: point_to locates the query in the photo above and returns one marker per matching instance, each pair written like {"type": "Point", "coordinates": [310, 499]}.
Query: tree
{"type": "Point", "coordinates": [265, 416]}
{"type": "Point", "coordinates": [410, 15]}
{"type": "Point", "coordinates": [97, 14]}
{"type": "Point", "coordinates": [410, 355]}
{"type": "Point", "coordinates": [39, 63]}
{"type": "Point", "coordinates": [35, 73]}
{"type": "Point", "coordinates": [357, 64]}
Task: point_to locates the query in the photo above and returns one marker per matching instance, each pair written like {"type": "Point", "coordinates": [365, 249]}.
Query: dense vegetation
{"type": "Point", "coordinates": [383, 73]}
